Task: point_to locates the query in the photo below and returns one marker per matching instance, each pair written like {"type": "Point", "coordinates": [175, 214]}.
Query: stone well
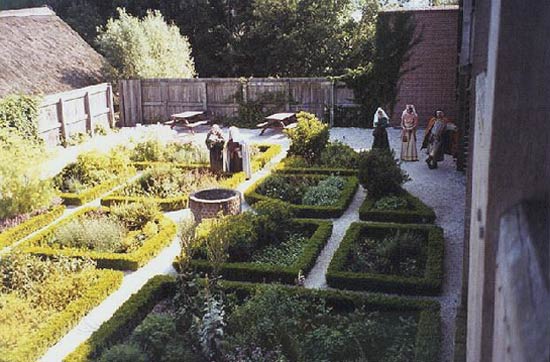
{"type": "Point", "coordinates": [209, 203]}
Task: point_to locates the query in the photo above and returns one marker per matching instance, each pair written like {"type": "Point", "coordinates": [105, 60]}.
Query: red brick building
{"type": "Point", "coordinates": [430, 82]}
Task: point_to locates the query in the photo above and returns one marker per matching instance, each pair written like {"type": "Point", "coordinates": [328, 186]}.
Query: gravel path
{"type": "Point", "coordinates": [316, 278]}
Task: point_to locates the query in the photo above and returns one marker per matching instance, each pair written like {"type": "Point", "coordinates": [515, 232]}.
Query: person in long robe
{"type": "Point", "coordinates": [409, 122]}
{"type": "Point", "coordinates": [237, 154]}
{"type": "Point", "coordinates": [381, 121]}
{"type": "Point", "coordinates": [439, 138]}
{"type": "Point", "coordinates": [215, 142]}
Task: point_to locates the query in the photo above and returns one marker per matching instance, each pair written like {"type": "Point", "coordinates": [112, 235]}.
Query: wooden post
{"type": "Point", "coordinates": [164, 97]}
{"type": "Point", "coordinates": [61, 116]}
{"type": "Point", "coordinates": [205, 97]}
{"type": "Point", "coordinates": [89, 116]}
{"type": "Point", "coordinates": [110, 106]}
{"type": "Point", "coordinates": [122, 103]}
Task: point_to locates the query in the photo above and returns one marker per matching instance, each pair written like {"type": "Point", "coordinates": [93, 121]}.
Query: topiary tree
{"type": "Point", "coordinates": [146, 48]}
{"type": "Point", "coordinates": [380, 174]}
{"type": "Point", "coordinates": [309, 138]}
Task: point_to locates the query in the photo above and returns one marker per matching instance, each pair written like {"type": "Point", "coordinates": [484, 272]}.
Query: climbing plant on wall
{"type": "Point", "coordinates": [19, 113]}
{"type": "Point", "coordinates": [375, 84]}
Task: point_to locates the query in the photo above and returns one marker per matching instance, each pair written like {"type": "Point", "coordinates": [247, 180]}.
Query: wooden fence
{"type": "Point", "coordinates": [62, 115]}
{"type": "Point", "coordinates": [154, 100]}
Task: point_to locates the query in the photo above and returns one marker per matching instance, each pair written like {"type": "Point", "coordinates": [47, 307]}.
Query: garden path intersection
{"type": "Point", "coordinates": [442, 189]}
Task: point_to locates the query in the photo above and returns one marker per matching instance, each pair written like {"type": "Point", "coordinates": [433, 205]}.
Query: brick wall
{"type": "Point", "coordinates": [431, 84]}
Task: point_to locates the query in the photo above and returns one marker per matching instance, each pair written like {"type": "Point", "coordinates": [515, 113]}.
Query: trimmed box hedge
{"type": "Point", "coordinates": [180, 202]}
{"type": "Point", "coordinates": [252, 272]}
{"type": "Point", "coordinates": [317, 171]}
{"type": "Point", "coordinates": [134, 311]}
{"type": "Point", "coordinates": [418, 212]}
{"type": "Point", "coordinates": [18, 232]}
{"type": "Point", "coordinates": [310, 211]}
{"type": "Point", "coordinates": [61, 323]}
{"type": "Point", "coordinates": [429, 284]}
{"type": "Point", "coordinates": [119, 261]}
{"type": "Point", "coordinates": [81, 198]}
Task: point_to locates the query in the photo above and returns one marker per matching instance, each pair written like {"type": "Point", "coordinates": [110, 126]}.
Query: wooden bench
{"type": "Point", "coordinates": [188, 120]}
{"type": "Point", "coordinates": [278, 120]}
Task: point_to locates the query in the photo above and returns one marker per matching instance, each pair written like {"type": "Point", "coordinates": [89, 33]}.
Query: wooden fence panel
{"type": "Point", "coordinates": [63, 115]}
{"type": "Point", "coordinates": [221, 95]}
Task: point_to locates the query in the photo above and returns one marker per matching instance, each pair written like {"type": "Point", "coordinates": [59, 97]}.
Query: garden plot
{"type": "Point", "coordinates": [308, 195]}
{"type": "Point", "coordinates": [263, 322]}
{"type": "Point", "coordinates": [124, 237]}
{"type": "Point", "coordinates": [403, 259]}
{"type": "Point", "coordinates": [401, 207]}
{"type": "Point", "coordinates": [42, 300]}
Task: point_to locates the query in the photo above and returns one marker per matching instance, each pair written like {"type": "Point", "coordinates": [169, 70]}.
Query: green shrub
{"type": "Point", "coordinates": [150, 150]}
{"type": "Point", "coordinates": [146, 48]}
{"type": "Point", "coordinates": [338, 155]}
{"type": "Point", "coordinates": [285, 253]}
{"type": "Point", "coordinates": [380, 174]}
{"type": "Point", "coordinates": [99, 233]}
{"type": "Point", "coordinates": [19, 114]}
{"type": "Point", "coordinates": [322, 195]}
{"type": "Point", "coordinates": [391, 203]}
{"type": "Point", "coordinates": [414, 212]}
{"type": "Point", "coordinates": [22, 190]}
{"type": "Point", "coordinates": [135, 215]}
{"type": "Point", "coordinates": [154, 333]}
{"type": "Point", "coordinates": [309, 138]}
{"type": "Point", "coordinates": [282, 188]}
{"type": "Point", "coordinates": [123, 353]}
{"type": "Point", "coordinates": [273, 221]}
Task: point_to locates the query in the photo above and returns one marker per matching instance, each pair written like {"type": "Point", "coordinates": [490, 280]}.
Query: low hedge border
{"type": "Point", "coordinates": [419, 213]}
{"type": "Point", "coordinates": [130, 261]}
{"type": "Point", "coordinates": [81, 198]}
{"type": "Point", "coordinates": [316, 170]}
{"type": "Point", "coordinates": [310, 211]}
{"type": "Point", "coordinates": [61, 323]}
{"type": "Point", "coordinates": [142, 165]}
{"type": "Point", "coordinates": [135, 309]}
{"type": "Point", "coordinates": [430, 284]}
{"type": "Point", "coordinates": [252, 272]}
{"type": "Point", "coordinates": [16, 233]}
{"type": "Point", "coordinates": [125, 319]}
{"type": "Point", "coordinates": [177, 203]}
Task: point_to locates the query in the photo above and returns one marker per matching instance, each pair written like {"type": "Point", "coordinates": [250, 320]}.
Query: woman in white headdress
{"type": "Point", "coordinates": [237, 154]}
{"type": "Point", "coordinates": [380, 122]}
{"type": "Point", "coordinates": [409, 122]}
{"type": "Point", "coordinates": [215, 143]}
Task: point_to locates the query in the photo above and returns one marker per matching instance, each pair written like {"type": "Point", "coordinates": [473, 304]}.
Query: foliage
{"type": "Point", "coordinates": [211, 328]}
{"type": "Point", "coordinates": [285, 253]}
{"type": "Point", "coordinates": [252, 112]}
{"type": "Point", "coordinates": [375, 83]}
{"type": "Point", "coordinates": [22, 190]}
{"type": "Point", "coordinates": [123, 353]}
{"type": "Point", "coordinates": [76, 139]}
{"type": "Point", "coordinates": [154, 333]}
{"type": "Point", "coordinates": [97, 232]}
{"type": "Point", "coordinates": [309, 138]}
{"type": "Point", "coordinates": [321, 195]}
{"type": "Point", "coordinates": [414, 212]}
{"type": "Point", "coordinates": [284, 188]}
{"type": "Point", "coordinates": [338, 155]}
{"type": "Point", "coordinates": [154, 150]}
{"type": "Point", "coordinates": [391, 203]}
{"type": "Point", "coordinates": [273, 221]}
{"type": "Point", "coordinates": [135, 215]}
{"type": "Point", "coordinates": [146, 48]}
{"type": "Point", "coordinates": [380, 173]}
{"type": "Point", "coordinates": [19, 113]}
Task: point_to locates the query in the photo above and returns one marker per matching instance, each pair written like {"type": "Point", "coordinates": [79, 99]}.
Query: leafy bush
{"type": "Point", "coordinates": [273, 221]}
{"type": "Point", "coordinates": [339, 155]}
{"type": "Point", "coordinates": [309, 138]}
{"type": "Point", "coordinates": [155, 150]}
{"type": "Point", "coordinates": [391, 203]}
{"type": "Point", "coordinates": [123, 353]}
{"type": "Point", "coordinates": [154, 333]}
{"type": "Point", "coordinates": [150, 150]}
{"type": "Point", "coordinates": [380, 174]}
{"type": "Point", "coordinates": [137, 214]}
{"type": "Point", "coordinates": [22, 190]}
{"type": "Point", "coordinates": [282, 188]}
{"type": "Point", "coordinates": [147, 48]}
{"type": "Point", "coordinates": [326, 193]}
{"type": "Point", "coordinates": [284, 254]}
{"type": "Point", "coordinates": [19, 114]}
{"type": "Point", "coordinates": [99, 233]}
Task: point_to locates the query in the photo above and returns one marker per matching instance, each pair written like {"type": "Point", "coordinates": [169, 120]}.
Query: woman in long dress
{"type": "Point", "coordinates": [381, 121]}
{"type": "Point", "coordinates": [215, 144]}
{"type": "Point", "coordinates": [409, 122]}
{"type": "Point", "coordinates": [237, 154]}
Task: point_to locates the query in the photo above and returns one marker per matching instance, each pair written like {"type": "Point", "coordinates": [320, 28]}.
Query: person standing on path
{"type": "Point", "coordinates": [380, 122]}
{"type": "Point", "coordinates": [215, 143]}
{"type": "Point", "coordinates": [437, 140]}
{"type": "Point", "coordinates": [409, 122]}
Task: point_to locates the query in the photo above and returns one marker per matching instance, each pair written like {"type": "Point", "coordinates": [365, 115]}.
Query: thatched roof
{"type": "Point", "coordinates": [40, 54]}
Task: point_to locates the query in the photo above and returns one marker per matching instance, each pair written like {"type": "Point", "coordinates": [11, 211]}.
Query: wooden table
{"type": "Point", "coordinates": [278, 120]}
{"type": "Point", "coordinates": [188, 119]}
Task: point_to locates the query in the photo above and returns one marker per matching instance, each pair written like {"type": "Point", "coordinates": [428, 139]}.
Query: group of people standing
{"type": "Point", "coordinates": [229, 156]}
{"type": "Point", "coordinates": [436, 140]}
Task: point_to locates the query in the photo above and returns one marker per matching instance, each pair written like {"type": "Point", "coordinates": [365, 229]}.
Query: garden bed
{"type": "Point", "coordinates": [337, 191]}
{"type": "Point", "coordinates": [130, 251]}
{"type": "Point", "coordinates": [390, 258]}
{"type": "Point", "coordinates": [41, 303]}
{"type": "Point", "coordinates": [398, 327]}
{"type": "Point", "coordinates": [280, 263]}
{"type": "Point", "coordinates": [402, 208]}
{"type": "Point", "coordinates": [27, 227]}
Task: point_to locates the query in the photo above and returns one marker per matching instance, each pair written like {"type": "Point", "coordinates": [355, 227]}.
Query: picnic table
{"type": "Point", "coordinates": [188, 119]}
{"type": "Point", "coordinates": [278, 120]}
